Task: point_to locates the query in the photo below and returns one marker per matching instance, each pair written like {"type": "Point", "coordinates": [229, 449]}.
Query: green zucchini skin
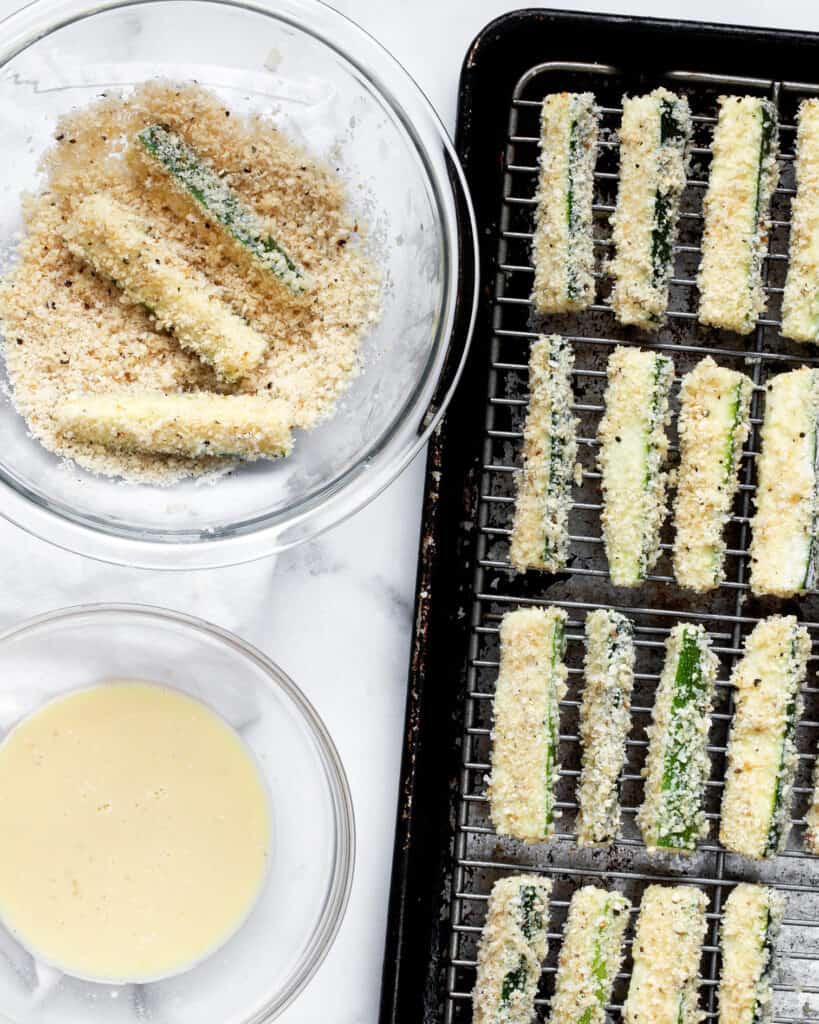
{"type": "Point", "coordinates": [671, 816]}
{"type": "Point", "coordinates": [511, 950]}
{"type": "Point", "coordinates": [207, 190]}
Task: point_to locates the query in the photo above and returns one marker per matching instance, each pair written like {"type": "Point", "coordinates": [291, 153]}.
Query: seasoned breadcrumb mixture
{"type": "Point", "coordinates": [69, 330]}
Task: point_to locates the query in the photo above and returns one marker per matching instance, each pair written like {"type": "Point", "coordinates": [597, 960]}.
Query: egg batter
{"type": "Point", "coordinates": [136, 832]}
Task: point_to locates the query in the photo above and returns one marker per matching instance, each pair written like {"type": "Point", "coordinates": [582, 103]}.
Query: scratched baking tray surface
{"type": "Point", "coordinates": [729, 614]}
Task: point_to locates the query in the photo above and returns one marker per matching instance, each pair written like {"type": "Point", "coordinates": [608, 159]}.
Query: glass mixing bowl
{"type": "Point", "coordinates": [331, 87]}
{"type": "Point", "coordinates": [259, 971]}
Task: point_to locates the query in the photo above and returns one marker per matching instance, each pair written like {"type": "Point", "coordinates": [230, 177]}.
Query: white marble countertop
{"type": "Point", "coordinates": [356, 584]}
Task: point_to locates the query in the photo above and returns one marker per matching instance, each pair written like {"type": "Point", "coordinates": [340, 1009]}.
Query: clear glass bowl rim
{"type": "Point", "coordinates": [338, 894]}
{"type": "Point", "coordinates": [410, 431]}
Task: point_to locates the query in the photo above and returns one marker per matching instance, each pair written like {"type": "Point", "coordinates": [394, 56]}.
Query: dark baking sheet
{"type": "Point", "coordinates": [417, 946]}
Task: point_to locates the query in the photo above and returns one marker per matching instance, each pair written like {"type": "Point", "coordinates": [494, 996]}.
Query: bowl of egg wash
{"type": "Point", "coordinates": [178, 830]}
{"type": "Point", "coordinates": [238, 275]}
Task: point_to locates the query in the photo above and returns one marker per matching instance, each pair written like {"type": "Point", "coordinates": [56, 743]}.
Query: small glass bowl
{"type": "Point", "coordinates": [264, 966]}
{"type": "Point", "coordinates": [334, 89]}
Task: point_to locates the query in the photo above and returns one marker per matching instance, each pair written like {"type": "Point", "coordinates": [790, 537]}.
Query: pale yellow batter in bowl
{"type": "Point", "coordinates": [178, 837]}
{"type": "Point", "coordinates": [136, 831]}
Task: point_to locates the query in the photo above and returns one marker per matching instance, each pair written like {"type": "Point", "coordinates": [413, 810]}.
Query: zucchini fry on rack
{"type": "Point", "coordinates": [664, 987]}
{"type": "Point", "coordinates": [751, 920]}
{"type": "Point", "coordinates": [525, 738]}
{"type": "Point", "coordinates": [116, 243]}
{"type": "Point", "coordinates": [590, 956]}
{"type": "Point", "coordinates": [205, 191]}
{"type": "Point", "coordinates": [762, 757]}
{"type": "Point", "coordinates": [193, 425]}
{"type": "Point", "coordinates": [743, 176]}
{"type": "Point", "coordinates": [512, 948]}
{"type": "Point", "coordinates": [654, 139]}
{"type": "Point", "coordinates": [604, 723]}
{"type": "Point", "coordinates": [714, 423]}
{"type": "Point", "coordinates": [633, 448]}
{"type": "Point", "coordinates": [540, 530]}
{"type": "Point", "coordinates": [671, 816]}
{"type": "Point", "coordinates": [563, 244]}
{"type": "Point", "coordinates": [812, 817]}
{"type": "Point", "coordinates": [783, 546]}
{"type": "Point", "coordinates": [800, 303]}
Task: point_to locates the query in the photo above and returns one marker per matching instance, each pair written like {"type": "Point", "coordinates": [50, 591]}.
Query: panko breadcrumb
{"type": "Point", "coordinates": [69, 330]}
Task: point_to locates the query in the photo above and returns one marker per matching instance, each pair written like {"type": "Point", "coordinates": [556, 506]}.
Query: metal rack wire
{"type": "Point", "coordinates": [728, 614]}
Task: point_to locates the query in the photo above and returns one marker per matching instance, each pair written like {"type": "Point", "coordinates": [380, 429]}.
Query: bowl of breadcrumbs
{"type": "Point", "coordinates": [237, 276]}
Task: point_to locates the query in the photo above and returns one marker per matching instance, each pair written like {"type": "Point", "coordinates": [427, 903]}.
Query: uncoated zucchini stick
{"type": "Point", "coordinates": [604, 723]}
{"type": "Point", "coordinates": [671, 816]}
{"type": "Point", "coordinates": [512, 948]}
{"type": "Point", "coordinates": [540, 530]}
{"type": "Point", "coordinates": [526, 734]}
{"type": "Point", "coordinates": [666, 957]}
{"type": "Point", "coordinates": [563, 244]}
{"type": "Point", "coordinates": [633, 448]}
{"type": "Point", "coordinates": [762, 757]}
{"type": "Point", "coordinates": [714, 424]}
{"type": "Point", "coordinates": [208, 193]}
{"type": "Point", "coordinates": [800, 303]}
{"type": "Point", "coordinates": [752, 917]}
{"type": "Point", "coordinates": [590, 957]}
{"type": "Point", "coordinates": [193, 425]}
{"type": "Point", "coordinates": [737, 213]}
{"type": "Point", "coordinates": [116, 243]}
{"type": "Point", "coordinates": [654, 139]}
{"type": "Point", "coordinates": [783, 546]}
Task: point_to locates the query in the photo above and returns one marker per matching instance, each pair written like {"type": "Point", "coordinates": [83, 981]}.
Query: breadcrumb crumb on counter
{"type": "Point", "coordinates": [67, 328]}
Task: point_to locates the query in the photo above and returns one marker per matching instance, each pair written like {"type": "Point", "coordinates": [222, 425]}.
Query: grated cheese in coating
{"type": "Point", "coordinates": [150, 273]}
{"type": "Point", "coordinates": [671, 816]}
{"type": "Point", "coordinates": [762, 757]}
{"type": "Point", "coordinates": [540, 530]}
{"type": "Point", "coordinates": [512, 947]}
{"type": "Point", "coordinates": [525, 736]}
{"type": "Point", "coordinates": [800, 303]}
{"type": "Point", "coordinates": [737, 203]}
{"type": "Point", "coordinates": [191, 425]}
{"type": "Point", "coordinates": [66, 329]}
{"type": "Point", "coordinates": [563, 244]}
{"type": "Point", "coordinates": [654, 150]}
{"type": "Point", "coordinates": [752, 917]}
{"type": "Point", "coordinates": [633, 449]}
{"type": "Point", "coordinates": [812, 816]}
{"type": "Point", "coordinates": [714, 423]}
{"type": "Point", "coordinates": [784, 527]}
{"type": "Point", "coordinates": [666, 957]}
{"type": "Point", "coordinates": [590, 956]}
{"type": "Point", "coordinates": [605, 719]}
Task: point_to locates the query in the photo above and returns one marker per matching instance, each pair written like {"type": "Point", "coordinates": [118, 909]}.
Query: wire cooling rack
{"type": "Point", "coordinates": [728, 614]}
